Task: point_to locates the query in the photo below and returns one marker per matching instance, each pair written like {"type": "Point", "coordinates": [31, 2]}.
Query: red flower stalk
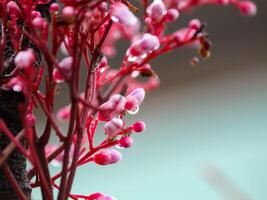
{"type": "Point", "coordinates": [32, 35]}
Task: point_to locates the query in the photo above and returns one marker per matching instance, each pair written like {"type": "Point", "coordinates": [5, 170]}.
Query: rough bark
{"type": "Point", "coordinates": [9, 101]}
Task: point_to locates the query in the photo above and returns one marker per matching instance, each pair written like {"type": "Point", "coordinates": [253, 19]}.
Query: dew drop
{"type": "Point", "coordinates": [143, 55]}
{"type": "Point", "coordinates": [56, 163]}
{"type": "Point", "coordinates": [17, 88]}
{"type": "Point", "coordinates": [114, 19]}
{"type": "Point", "coordinates": [119, 147]}
{"type": "Point", "coordinates": [133, 112]}
{"type": "Point", "coordinates": [135, 73]}
{"type": "Point", "coordinates": [102, 70]}
{"type": "Point", "coordinates": [132, 58]}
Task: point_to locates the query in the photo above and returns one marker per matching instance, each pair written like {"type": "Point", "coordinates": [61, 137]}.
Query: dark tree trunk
{"type": "Point", "coordinates": [9, 101]}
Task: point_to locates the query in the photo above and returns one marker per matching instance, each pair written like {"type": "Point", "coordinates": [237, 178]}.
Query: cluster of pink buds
{"type": "Point", "coordinates": [107, 157]}
{"type": "Point", "coordinates": [157, 13]}
{"type": "Point", "coordinates": [146, 44]}
{"type": "Point", "coordinates": [100, 95]}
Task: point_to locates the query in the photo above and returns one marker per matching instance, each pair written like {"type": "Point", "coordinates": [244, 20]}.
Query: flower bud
{"type": "Point", "coordinates": [247, 8]}
{"type": "Point", "coordinates": [97, 196]}
{"type": "Point", "coordinates": [54, 7]}
{"type": "Point", "coordinates": [38, 22]}
{"type": "Point", "coordinates": [223, 2]}
{"type": "Point", "coordinates": [16, 84]}
{"type": "Point", "coordinates": [100, 196]}
{"type": "Point", "coordinates": [109, 109]}
{"type": "Point", "coordinates": [35, 14]}
{"type": "Point", "coordinates": [30, 120]}
{"type": "Point", "coordinates": [58, 78]}
{"type": "Point", "coordinates": [113, 127]}
{"type": "Point", "coordinates": [118, 102]}
{"type": "Point", "coordinates": [145, 45]}
{"type": "Point", "coordinates": [65, 70]}
{"type": "Point", "coordinates": [156, 10]}
{"type": "Point", "coordinates": [63, 113]}
{"type": "Point", "coordinates": [139, 126]}
{"type": "Point", "coordinates": [66, 63]}
{"type": "Point", "coordinates": [121, 13]}
{"type": "Point", "coordinates": [13, 9]}
{"type": "Point", "coordinates": [171, 15]}
{"type": "Point", "coordinates": [126, 142]}
{"type": "Point", "coordinates": [25, 59]}
{"type": "Point", "coordinates": [107, 157]}
{"type": "Point", "coordinates": [138, 94]}
{"type": "Point", "coordinates": [68, 13]}
{"type": "Point", "coordinates": [194, 24]}
{"type": "Point", "coordinates": [149, 42]}
{"type": "Point", "coordinates": [103, 7]}
{"type": "Point", "coordinates": [131, 103]}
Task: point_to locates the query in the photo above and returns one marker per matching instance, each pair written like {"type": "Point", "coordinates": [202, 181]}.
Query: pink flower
{"type": "Point", "coordinates": [138, 95]}
{"type": "Point", "coordinates": [171, 15]}
{"type": "Point", "coordinates": [126, 142]}
{"type": "Point", "coordinates": [139, 126]}
{"type": "Point", "coordinates": [35, 14]}
{"type": "Point", "coordinates": [100, 196]}
{"type": "Point", "coordinates": [63, 113]}
{"type": "Point", "coordinates": [121, 13]}
{"type": "Point", "coordinates": [145, 45]}
{"type": "Point", "coordinates": [247, 8]}
{"type": "Point", "coordinates": [103, 7]}
{"type": "Point", "coordinates": [131, 103]}
{"type": "Point", "coordinates": [65, 70]}
{"type": "Point", "coordinates": [30, 120]}
{"type": "Point", "coordinates": [134, 99]}
{"type": "Point", "coordinates": [113, 106]}
{"type": "Point", "coordinates": [25, 59]}
{"type": "Point", "coordinates": [68, 12]}
{"type": "Point", "coordinates": [113, 127]}
{"type": "Point", "coordinates": [223, 2]}
{"type": "Point", "coordinates": [107, 157]}
{"type": "Point", "coordinates": [38, 22]}
{"type": "Point", "coordinates": [156, 10]}
{"type": "Point", "coordinates": [16, 84]}
{"type": "Point", "coordinates": [194, 24]}
{"type": "Point", "coordinates": [13, 9]}
{"type": "Point", "coordinates": [54, 7]}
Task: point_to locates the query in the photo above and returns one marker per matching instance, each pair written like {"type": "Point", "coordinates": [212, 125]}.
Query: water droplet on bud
{"type": "Point", "coordinates": [135, 74]}
{"type": "Point", "coordinates": [132, 58]}
{"type": "Point", "coordinates": [143, 56]}
{"type": "Point", "coordinates": [114, 19]}
{"type": "Point", "coordinates": [134, 111]}
{"type": "Point", "coordinates": [119, 147]}
{"type": "Point", "coordinates": [17, 88]}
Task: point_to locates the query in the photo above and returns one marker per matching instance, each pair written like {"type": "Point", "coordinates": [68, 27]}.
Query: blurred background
{"type": "Point", "coordinates": [204, 121]}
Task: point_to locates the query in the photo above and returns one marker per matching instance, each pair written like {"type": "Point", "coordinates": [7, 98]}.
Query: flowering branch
{"type": "Point", "coordinates": [33, 34]}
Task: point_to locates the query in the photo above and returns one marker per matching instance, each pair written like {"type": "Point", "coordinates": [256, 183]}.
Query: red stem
{"type": "Point", "coordinates": [11, 179]}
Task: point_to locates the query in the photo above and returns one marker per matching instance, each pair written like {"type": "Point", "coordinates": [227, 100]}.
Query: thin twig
{"type": "Point", "coordinates": [9, 149]}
